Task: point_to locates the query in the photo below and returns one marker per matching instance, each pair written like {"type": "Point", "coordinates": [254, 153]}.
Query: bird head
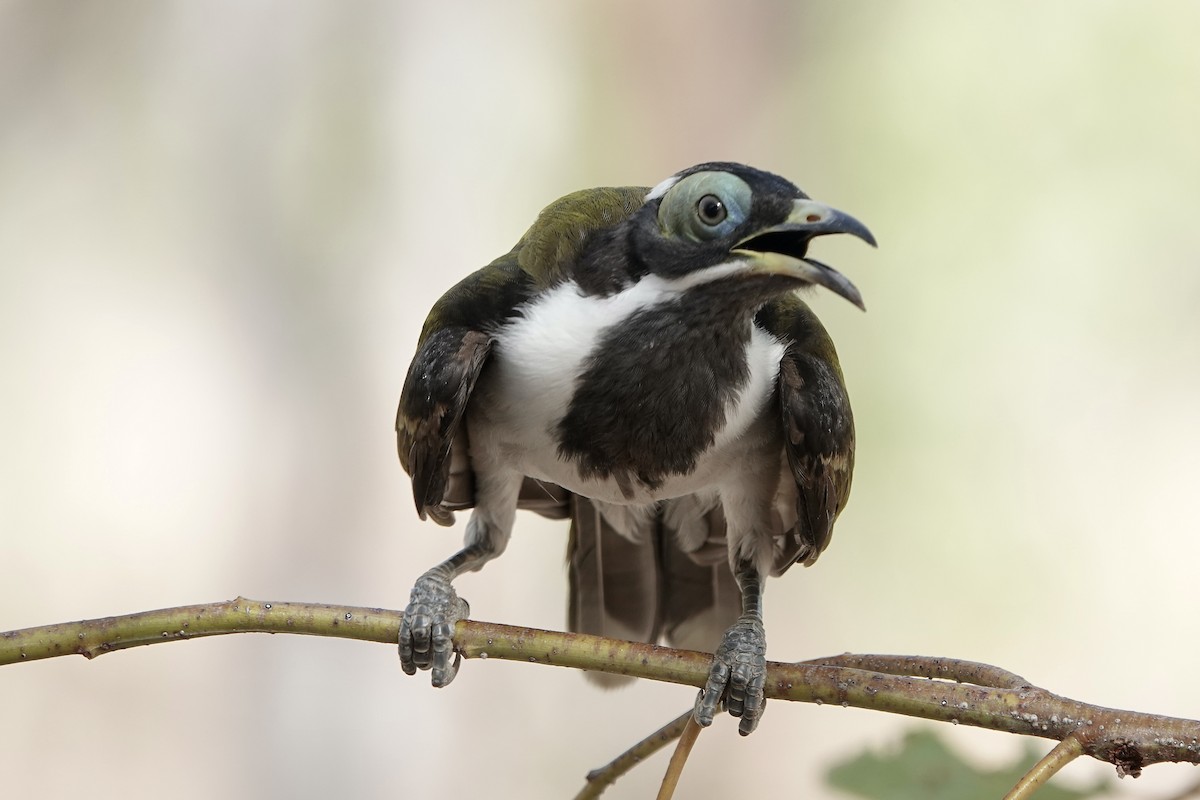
{"type": "Point", "coordinates": [730, 222]}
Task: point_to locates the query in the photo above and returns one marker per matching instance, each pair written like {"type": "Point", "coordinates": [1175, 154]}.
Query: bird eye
{"type": "Point", "coordinates": [704, 206]}
{"type": "Point", "coordinates": [711, 210]}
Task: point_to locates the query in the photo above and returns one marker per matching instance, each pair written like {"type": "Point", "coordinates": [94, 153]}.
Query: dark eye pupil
{"type": "Point", "coordinates": [711, 209]}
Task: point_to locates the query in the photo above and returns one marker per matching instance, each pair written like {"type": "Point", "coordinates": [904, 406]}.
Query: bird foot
{"type": "Point", "coordinates": [426, 633]}
{"type": "Point", "coordinates": [738, 676]}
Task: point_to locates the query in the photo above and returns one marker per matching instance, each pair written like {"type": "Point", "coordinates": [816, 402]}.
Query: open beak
{"type": "Point", "coordinates": [782, 249]}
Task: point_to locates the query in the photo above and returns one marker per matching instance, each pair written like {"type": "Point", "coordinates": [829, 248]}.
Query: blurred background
{"type": "Point", "coordinates": [221, 225]}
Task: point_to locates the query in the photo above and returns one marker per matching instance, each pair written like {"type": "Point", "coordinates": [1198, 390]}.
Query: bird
{"type": "Point", "coordinates": [641, 363]}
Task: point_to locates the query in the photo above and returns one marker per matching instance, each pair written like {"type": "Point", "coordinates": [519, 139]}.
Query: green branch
{"type": "Point", "coordinates": [946, 690]}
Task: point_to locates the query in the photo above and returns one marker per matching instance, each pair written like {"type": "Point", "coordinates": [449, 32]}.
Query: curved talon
{"type": "Point", "coordinates": [756, 702]}
{"type": "Point", "coordinates": [710, 696]}
{"type": "Point", "coordinates": [738, 676]}
{"type": "Point", "coordinates": [406, 649]}
{"type": "Point", "coordinates": [444, 669]}
{"type": "Point", "coordinates": [427, 630]}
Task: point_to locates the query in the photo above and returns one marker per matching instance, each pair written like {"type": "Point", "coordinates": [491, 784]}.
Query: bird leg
{"type": "Point", "coordinates": [739, 670]}
{"type": "Point", "coordinates": [426, 633]}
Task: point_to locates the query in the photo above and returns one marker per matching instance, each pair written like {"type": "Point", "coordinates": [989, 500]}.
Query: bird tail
{"type": "Point", "coordinates": [659, 575]}
{"type": "Point", "coordinates": [701, 596]}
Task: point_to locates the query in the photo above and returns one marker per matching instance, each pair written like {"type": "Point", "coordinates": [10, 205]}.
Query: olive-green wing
{"type": "Point", "coordinates": [551, 248]}
{"type": "Point", "coordinates": [818, 427]}
{"type": "Point", "coordinates": [454, 346]}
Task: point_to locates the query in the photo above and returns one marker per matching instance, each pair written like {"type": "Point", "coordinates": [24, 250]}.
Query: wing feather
{"type": "Point", "coordinates": [452, 353]}
{"type": "Point", "coordinates": [818, 428]}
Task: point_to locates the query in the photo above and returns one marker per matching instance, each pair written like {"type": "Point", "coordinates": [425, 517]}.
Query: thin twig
{"type": "Point", "coordinates": [601, 778]}
{"type": "Point", "coordinates": [950, 669]}
{"type": "Point", "coordinates": [691, 731]}
{"type": "Point", "coordinates": [95, 637]}
{"type": "Point", "coordinates": [1063, 753]}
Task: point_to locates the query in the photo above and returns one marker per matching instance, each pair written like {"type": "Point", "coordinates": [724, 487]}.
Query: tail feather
{"type": "Point", "coordinates": [639, 584]}
{"type": "Point", "coordinates": [701, 598]}
{"type": "Point", "coordinates": [613, 580]}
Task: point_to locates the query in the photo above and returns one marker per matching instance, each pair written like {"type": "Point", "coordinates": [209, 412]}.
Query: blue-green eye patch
{"type": "Point", "coordinates": [704, 206]}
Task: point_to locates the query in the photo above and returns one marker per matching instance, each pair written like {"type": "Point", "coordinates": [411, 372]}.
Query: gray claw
{"type": "Point", "coordinates": [427, 631]}
{"type": "Point", "coordinates": [738, 676]}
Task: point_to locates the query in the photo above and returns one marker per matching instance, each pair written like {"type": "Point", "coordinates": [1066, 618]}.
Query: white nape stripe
{"type": "Point", "coordinates": [662, 188]}
{"type": "Point", "coordinates": [701, 276]}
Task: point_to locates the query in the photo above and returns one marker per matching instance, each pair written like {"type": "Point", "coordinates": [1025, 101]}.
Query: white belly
{"type": "Point", "coordinates": [531, 380]}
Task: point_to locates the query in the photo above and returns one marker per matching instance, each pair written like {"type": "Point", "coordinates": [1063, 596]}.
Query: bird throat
{"type": "Point", "coordinates": [657, 389]}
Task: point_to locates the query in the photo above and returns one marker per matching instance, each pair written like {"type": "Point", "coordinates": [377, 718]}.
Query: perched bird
{"type": "Point", "coordinates": [641, 363]}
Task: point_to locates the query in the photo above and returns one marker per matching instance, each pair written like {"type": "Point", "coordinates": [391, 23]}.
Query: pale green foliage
{"type": "Point", "coordinates": [924, 768]}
